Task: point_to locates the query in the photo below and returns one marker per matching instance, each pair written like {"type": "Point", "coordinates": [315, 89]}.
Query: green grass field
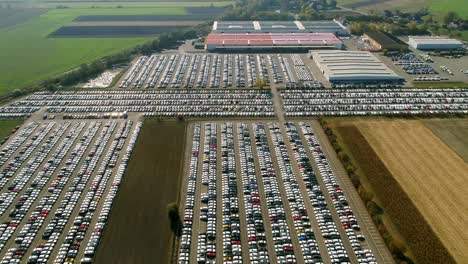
{"type": "Point", "coordinates": [438, 7]}
{"type": "Point", "coordinates": [6, 127]}
{"type": "Point", "coordinates": [28, 56]}
{"type": "Point", "coordinates": [131, 4]}
{"type": "Point", "coordinates": [442, 7]}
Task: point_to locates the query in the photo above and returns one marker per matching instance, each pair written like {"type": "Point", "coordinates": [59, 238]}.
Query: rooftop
{"type": "Point", "coordinates": [352, 65]}
{"type": "Point", "coordinates": [322, 26]}
{"type": "Point", "coordinates": [434, 40]}
{"type": "Point", "coordinates": [301, 39]}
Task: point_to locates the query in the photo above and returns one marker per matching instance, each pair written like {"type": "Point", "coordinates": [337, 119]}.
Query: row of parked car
{"type": "Point", "coordinates": [254, 219]}
{"type": "Point", "coordinates": [372, 84]}
{"type": "Point", "coordinates": [44, 178]}
{"type": "Point", "coordinates": [76, 236]}
{"type": "Point", "coordinates": [189, 207]}
{"type": "Point", "coordinates": [436, 78]}
{"type": "Point", "coordinates": [215, 74]}
{"type": "Point", "coordinates": [336, 193]}
{"type": "Point", "coordinates": [411, 64]}
{"type": "Point", "coordinates": [302, 71]}
{"type": "Point", "coordinates": [28, 232]}
{"type": "Point", "coordinates": [286, 69]}
{"type": "Point", "coordinates": [208, 225]}
{"type": "Point", "coordinates": [280, 231]}
{"type": "Point", "coordinates": [232, 249]}
{"type": "Point", "coordinates": [111, 195]}
{"type": "Point", "coordinates": [291, 199]}
{"type": "Point", "coordinates": [300, 215]}
{"type": "Point", "coordinates": [152, 103]}
{"type": "Point", "coordinates": [210, 71]}
{"type": "Point", "coordinates": [374, 102]}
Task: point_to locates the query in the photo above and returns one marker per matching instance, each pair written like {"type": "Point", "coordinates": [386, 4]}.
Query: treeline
{"type": "Point", "coordinates": [394, 25]}
{"type": "Point", "coordinates": [247, 10]}
{"type": "Point", "coordinates": [424, 243]}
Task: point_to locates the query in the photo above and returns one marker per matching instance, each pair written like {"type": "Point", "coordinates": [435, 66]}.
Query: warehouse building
{"type": "Point", "coordinates": [353, 66]}
{"type": "Point", "coordinates": [380, 40]}
{"type": "Point", "coordinates": [325, 26]}
{"type": "Point", "coordinates": [271, 41]}
{"type": "Point", "coordinates": [434, 43]}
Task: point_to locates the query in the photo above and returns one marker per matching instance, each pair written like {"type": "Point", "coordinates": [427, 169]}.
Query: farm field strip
{"type": "Point", "coordinates": [419, 173]}
{"type": "Point", "coordinates": [454, 133]}
{"type": "Point", "coordinates": [114, 31]}
{"type": "Point", "coordinates": [234, 157]}
{"type": "Point", "coordinates": [43, 158]}
{"type": "Point", "coordinates": [132, 23]}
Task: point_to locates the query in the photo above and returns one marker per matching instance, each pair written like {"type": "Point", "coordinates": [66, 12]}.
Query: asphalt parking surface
{"type": "Point", "coordinates": [225, 243]}
{"type": "Point", "coordinates": [82, 159]}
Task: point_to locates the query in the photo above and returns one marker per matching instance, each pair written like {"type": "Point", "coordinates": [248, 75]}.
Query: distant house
{"type": "Point", "coordinates": [384, 41]}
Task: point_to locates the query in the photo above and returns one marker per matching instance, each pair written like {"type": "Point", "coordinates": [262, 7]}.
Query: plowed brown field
{"type": "Point", "coordinates": [430, 173]}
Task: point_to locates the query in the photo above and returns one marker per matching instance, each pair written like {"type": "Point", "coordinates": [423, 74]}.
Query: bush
{"type": "Point", "coordinates": [374, 209]}
{"type": "Point", "coordinates": [174, 218]}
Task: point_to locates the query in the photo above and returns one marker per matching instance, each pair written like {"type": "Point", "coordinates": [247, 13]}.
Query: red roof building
{"type": "Point", "coordinates": [225, 41]}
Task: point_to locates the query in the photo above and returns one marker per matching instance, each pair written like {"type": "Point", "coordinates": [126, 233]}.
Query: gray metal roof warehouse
{"type": "Point", "coordinates": [352, 66]}
{"type": "Point", "coordinates": [323, 26]}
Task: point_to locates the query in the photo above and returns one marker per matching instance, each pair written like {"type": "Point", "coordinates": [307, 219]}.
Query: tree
{"type": "Point", "coordinates": [450, 17]}
{"type": "Point", "coordinates": [412, 27]}
{"type": "Point", "coordinates": [260, 83]}
{"type": "Point", "coordinates": [174, 218]}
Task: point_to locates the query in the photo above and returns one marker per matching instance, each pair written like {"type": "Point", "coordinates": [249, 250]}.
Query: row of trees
{"type": "Point", "coordinates": [396, 246]}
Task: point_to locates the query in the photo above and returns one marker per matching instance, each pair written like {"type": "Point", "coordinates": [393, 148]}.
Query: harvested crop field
{"type": "Point", "coordinates": [121, 18]}
{"type": "Point", "coordinates": [454, 133]}
{"type": "Point", "coordinates": [421, 182]}
{"type": "Point", "coordinates": [133, 23]}
{"type": "Point", "coordinates": [112, 31]}
{"type": "Point", "coordinates": [138, 230]}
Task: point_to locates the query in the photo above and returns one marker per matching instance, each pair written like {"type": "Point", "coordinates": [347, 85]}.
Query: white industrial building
{"type": "Point", "coordinates": [353, 66]}
{"type": "Point", "coordinates": [434, 43]}
{"type": "Point", "coordinates": [321, 26]}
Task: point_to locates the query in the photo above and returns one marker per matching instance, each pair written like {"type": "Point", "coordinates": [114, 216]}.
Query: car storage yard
{"type": "Point", "coordinates": [58, 182]}
{"type": "Point", "coordinates": [264, 192]}
{"type": "Point", "coordinates": [174, 70]}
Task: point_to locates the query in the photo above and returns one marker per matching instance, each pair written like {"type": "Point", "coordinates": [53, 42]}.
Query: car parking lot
{"type": "Point", "coordinates": [360, 102]}
{"type": "Point", "coordinates": [218, 71]}
{"type": "Point", "coordinates": [265, 193]}
{"type": "Point", "coordinates": [58, 182]}
{"type": "Point", "coordinates": [153, 103]}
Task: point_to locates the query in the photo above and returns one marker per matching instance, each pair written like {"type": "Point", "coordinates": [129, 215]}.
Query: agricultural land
{"type": "Point", "coordinates": [7, 126]}
{"type": "Point", "coordinates": [416, 170]}
{"type": "Point", "coordinates": [436, 6]}
{"type": "Point", "coordinates": [30, 52]}
{"type": "Point", "coordinates": [152, 181]}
